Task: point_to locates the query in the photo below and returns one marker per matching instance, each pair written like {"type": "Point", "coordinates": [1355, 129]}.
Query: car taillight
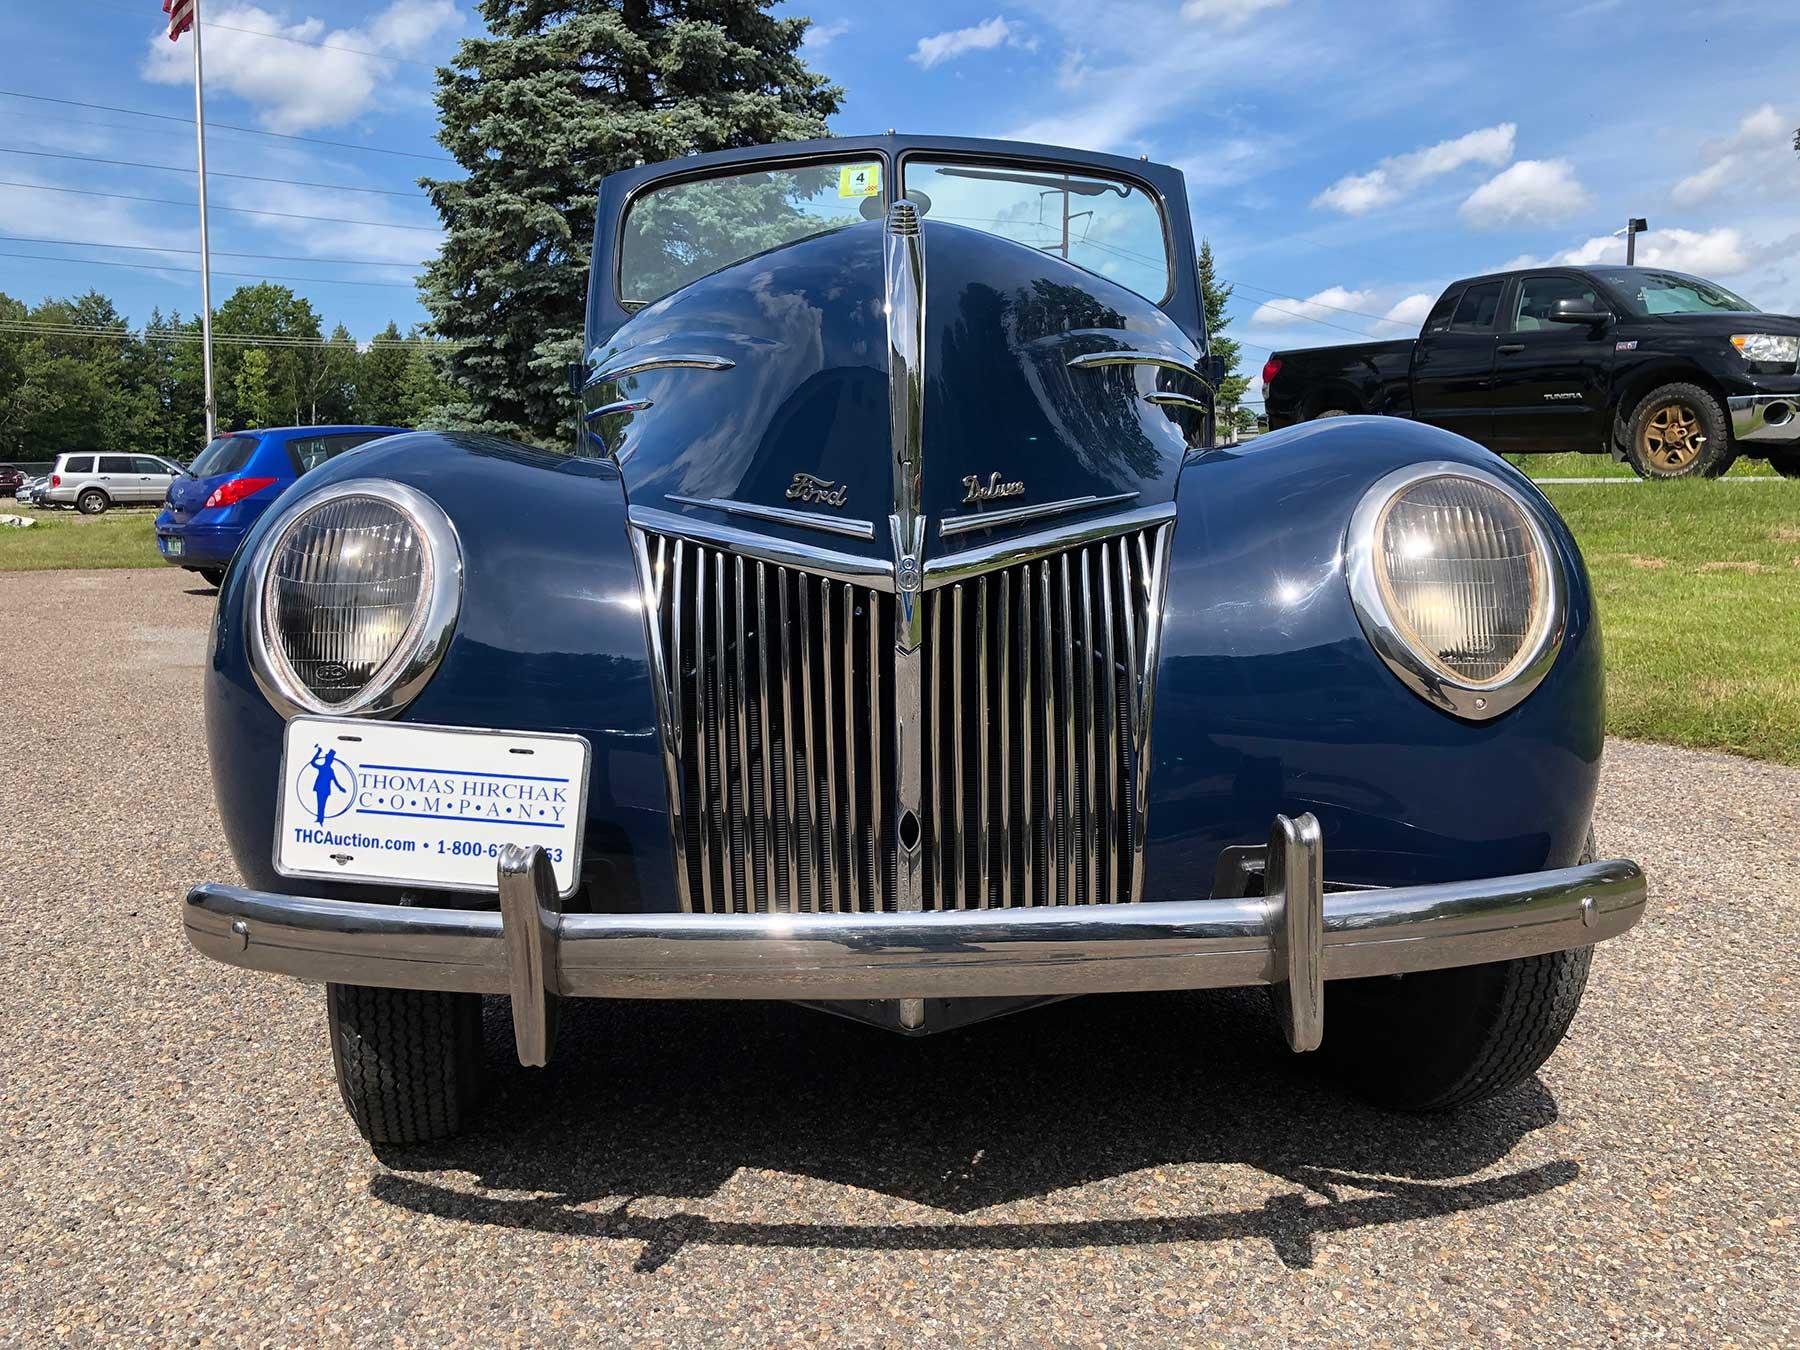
{"type": "Point", "coordinates": [1271, 368]}
{"type": "Point", "coordinates": [227, 494]}
{"type": "Point", "coordinates": [56, 480]}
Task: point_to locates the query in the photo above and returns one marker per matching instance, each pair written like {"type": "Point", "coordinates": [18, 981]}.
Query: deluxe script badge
{"type": "Point", "coordinates": [977, 491]}
{"type": "Point", "coordinates": [817, 491]}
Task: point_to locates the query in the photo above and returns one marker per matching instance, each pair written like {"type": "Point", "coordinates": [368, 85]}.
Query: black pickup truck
{"type": "Point", "coordinates": [1675, 375]}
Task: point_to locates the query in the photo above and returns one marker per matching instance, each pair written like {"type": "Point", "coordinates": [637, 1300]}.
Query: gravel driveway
{"type": "Point", "coordinates": [174, 1164]}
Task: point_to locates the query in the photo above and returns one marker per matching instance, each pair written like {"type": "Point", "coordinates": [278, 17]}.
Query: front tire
{"type": "Point", "coordinates": [1329, 412]}
{"type": "Point", "coordinates": [409, 1062]}
{"type": "Point", "coordinates": [92, 502]}
{"type": "Point", "coordinates": [1679, 431]}
{"type": "Point", "coordinates": [1439, 1039]}
{"type": "Point", "coordinates": [213, 576]}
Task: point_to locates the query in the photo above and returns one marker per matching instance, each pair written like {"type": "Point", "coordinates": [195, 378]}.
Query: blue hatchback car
{"type": "Point", "coordinates": [232, 483]}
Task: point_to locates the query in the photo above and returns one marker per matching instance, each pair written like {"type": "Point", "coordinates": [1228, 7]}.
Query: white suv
{"type": "Point", "coordinates": [91, 482]}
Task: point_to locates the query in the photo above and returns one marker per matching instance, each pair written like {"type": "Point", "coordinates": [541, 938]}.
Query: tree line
{"type": "Point", "coordinates": [74, 375]}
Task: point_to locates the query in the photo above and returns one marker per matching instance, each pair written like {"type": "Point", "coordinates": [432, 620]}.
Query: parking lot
{"type": "Point", "coordinates": [177, 1166]}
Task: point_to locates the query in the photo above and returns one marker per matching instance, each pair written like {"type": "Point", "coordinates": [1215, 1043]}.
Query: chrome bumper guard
{"type": "Point", "coordinates": [1295, 937]}
{"type": "Point", "coordinates": [1765, 417]}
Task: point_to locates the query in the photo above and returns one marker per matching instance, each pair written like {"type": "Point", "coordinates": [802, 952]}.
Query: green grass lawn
{"type": "Point", "coordinates": [64, 539]}
{"type": "Point", "coordinates": [1699, 589]}
{"type": "Point", "coordinates": [1605, 466]}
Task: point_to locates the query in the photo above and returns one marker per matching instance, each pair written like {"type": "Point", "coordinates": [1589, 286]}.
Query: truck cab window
{"type": "Point", "coordinates": [1475, 312]}
{"type": "Point", "coordinates": [1538, 295]}
{"type": "Point", "coordinates": [1439, 318]}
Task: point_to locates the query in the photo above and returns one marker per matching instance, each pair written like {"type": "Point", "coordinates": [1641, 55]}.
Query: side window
{"type": "Point", "coordinates": [1439, 318]}
{"type": "Point", "coordinates": [308, 452]}
{"type": "Point", "coordinates": [79, 464]}
{"type": "Point", "coordinates": [336, 445]}
{"type": "Point", "coordinates": [1475, 312]}
{"type": "Point", "coordinates": [116, 464]}
{"type": "Point", "coordinates": [1538, 295]}
{"type": "Point", "coordinates": [146, 464]}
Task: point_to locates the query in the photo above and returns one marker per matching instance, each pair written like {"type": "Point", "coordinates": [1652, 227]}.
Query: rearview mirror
{"type": "Point", "coordinates": [1577, 311]}
{"type": "Point", "coordinates": [1215, 369]}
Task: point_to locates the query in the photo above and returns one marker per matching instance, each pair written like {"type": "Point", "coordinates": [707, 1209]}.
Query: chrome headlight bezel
{"type": "Point", "coordinates": [415, 657]}
{"type": "Point", "coordinates": [1473, 700]}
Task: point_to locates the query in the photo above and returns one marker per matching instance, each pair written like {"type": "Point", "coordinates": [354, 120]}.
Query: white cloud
{"type": "Point", "coordinates": [1326, 306]}
{"type": "Point", "coordinates": [1757, 159]}
{"type": "Point", "coordinates": [985, 36]}
{"type": "Point", "coordinates": [1409, 313]}
{"type": "Point", "coordinates": [1718, 253]}
{"type": "Point", "coordinates": [1531, 192]}
{"type": "Point", "coordinates": [1229, 13]}
{"type": "Point", "coordinates": [302, 88]}
{"type": "Point", "coordinates": [1359, 193]}
{"type": "Point", "coordinates": [819, 36]}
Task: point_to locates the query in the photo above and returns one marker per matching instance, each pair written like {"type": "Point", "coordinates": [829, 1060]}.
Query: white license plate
{"type": "Point", "coordinates": [173, 546]}
{"type": "Point", "coordinates": [401, 804]}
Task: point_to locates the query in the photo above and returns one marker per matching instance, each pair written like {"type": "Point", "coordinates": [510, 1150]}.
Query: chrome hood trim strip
{"type": "Point", "coordinates": [783, 515]}
{"type": "Point", "coordinates": [1012, 515]}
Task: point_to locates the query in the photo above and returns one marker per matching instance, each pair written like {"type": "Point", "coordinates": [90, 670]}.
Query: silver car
{"type": "Point", "coordinates": [92, 482]}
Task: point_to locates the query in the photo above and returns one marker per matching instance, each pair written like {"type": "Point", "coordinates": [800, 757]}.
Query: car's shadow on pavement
{"type": "Point", "coordinates": [671, 1100]}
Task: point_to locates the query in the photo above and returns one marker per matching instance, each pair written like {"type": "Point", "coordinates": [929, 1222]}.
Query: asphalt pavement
{"type": "Point", "coordinates": [175, 1166]}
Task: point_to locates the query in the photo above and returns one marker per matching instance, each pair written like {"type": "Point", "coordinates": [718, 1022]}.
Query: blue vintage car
{"type": "Point", "coordinates": [893, 637]}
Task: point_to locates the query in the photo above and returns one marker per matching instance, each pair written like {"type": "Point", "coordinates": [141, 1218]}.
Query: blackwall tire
{"type": "Point", "coordinates": [1330, 412]}
{"type": "Point", "coordinates": [1679, 431]}
{"type": "Point", "coordinates": [1440, 1039]}
{"type": "Point", "coordinates": [92, 502]}
{"type": "Point", "coordinates": [409, 1062]}
{"type": "Point", "coordinates": [213, 576]}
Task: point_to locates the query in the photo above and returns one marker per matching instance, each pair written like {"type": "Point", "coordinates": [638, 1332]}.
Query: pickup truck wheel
{"type": "Point", "coordinates": [1330, 412]}
{"type": "Point", "coordinates": [409, 1061]}
{"type": "Point", "coordinates": [92, 502]}
{"type": "Point", "coordinates": [1679, 431]}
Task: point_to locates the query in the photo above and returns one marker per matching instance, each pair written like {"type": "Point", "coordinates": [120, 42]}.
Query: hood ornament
{"type": "Point", "coordinates": [974, 490]}
{"type": "Point", "coordinates": [817, 491]}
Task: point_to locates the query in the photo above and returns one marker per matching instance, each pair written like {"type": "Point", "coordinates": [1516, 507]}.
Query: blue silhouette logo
{"type": "Point", "coordinates": [325, 785]}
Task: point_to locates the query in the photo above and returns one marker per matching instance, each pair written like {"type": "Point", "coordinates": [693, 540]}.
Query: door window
{"type": "Point", "coordinates": [147, 464]}
{"type": "Point", "coordinates": [116, 464]}
{"type": "Point", "coordinates": [1538, 296]}
{"type": "Point", "coordinates": [1438, 320]}
{"type": "Point", "coordinates": [1475, 312]}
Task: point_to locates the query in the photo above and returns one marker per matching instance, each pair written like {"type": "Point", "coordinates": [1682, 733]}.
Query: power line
{"type": "Point", "coordinates": [246, 276]}
{"type": "Point", "coordinates": [213, 173]}
{"type": "Point", "coordinates": [1319, 304]}
{"type": "Point", "coordinates": [283, 37]}
{"type": "Point", "coordinates": [226, 126]}
{"type": "Point", "coordinates": [36, 326]}
{"type": "Point", "coordinates": [240, 210]}
{"type": "Point", "coordinates": [217, 253]}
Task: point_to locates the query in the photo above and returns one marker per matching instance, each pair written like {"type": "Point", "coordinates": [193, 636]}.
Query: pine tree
{"type": "Point", "coordinates": [562, 93]}
{"type": "Point", "coordinates": [381, 380]}
{"type": "Point", "coordinates": [1214, 296]}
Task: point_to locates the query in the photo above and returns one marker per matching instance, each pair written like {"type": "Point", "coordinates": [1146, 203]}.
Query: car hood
{"type": "Point", "coordinates": [1726, 322]}
{"type": "Point", "coordinates": [768, 396]}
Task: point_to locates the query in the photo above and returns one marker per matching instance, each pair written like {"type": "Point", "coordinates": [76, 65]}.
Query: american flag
{"type": "Point", "coordinates": [181, 16]}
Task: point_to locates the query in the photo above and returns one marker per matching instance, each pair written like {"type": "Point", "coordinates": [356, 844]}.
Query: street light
{"type": "Point", "coordinates": [1633, 228]}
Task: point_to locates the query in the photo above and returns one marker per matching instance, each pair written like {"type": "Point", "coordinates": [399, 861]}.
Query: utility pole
{"type": "Point", "coordinates": [206, 343]}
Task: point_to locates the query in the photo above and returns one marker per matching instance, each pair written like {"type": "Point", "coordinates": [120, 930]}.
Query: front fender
{"type": "Point", "coordinates": [1271, 700]}
{"type": "Point", "coordinates": [549, 637]}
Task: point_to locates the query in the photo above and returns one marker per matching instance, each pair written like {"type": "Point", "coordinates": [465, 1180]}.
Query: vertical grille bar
{"type": "Point", "coordinates": [779, 697]}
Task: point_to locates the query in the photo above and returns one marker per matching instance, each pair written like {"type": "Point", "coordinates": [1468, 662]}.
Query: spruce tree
{"type": "Point", "coordinates": [561, 93]}
{"type": "Point", "coordinates": [381, 380]}
{"type": "Point", "coordinates": [1214, 296]}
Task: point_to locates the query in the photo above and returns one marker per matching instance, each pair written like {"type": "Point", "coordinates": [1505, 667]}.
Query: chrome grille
{"type": "Point", "coordinates": [776, 690]}
{"type": "Point", "coordinates": [1036, 713]}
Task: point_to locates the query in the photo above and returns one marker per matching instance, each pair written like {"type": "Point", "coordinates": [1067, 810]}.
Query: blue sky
{"type": "Point", "coordinates": [1346, 159]}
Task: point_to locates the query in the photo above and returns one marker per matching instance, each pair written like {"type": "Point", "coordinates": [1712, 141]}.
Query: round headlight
{"type": "Point", "coordinates": [355, 596]}
{"type": "Point", "coordinates": [1456, 586]}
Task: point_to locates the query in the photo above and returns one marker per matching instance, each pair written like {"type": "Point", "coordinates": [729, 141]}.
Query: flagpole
{"type": "Point", "coordinates": [206, 352]}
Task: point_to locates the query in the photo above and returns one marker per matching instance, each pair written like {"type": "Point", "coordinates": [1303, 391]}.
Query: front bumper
{"type": "Point", "coordinates": [1765, 417]}
{"type": "Point", "coordinates": [1294, 937]}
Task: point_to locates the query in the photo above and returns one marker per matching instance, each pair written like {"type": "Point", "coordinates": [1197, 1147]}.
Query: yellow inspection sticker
{"type": "Point", "coordinates": [859, 180]}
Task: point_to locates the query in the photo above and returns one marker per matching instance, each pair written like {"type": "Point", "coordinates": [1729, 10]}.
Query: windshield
{"type": "Point", "coordinates": [677, 234]}
{"type": "Point", "coordinates": [1672, 293]}
{"type": "Point", "coordinates": [226, 454]}
{"type": "Point", "coordinates": [1101, 224]}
